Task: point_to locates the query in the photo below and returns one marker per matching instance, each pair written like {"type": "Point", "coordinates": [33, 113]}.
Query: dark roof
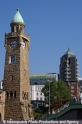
{"type": "Point", "coordinates": [69, 52]}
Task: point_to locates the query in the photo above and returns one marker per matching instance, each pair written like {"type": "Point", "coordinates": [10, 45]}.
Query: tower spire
{"type": "Point", "coordinates": [17, 18]}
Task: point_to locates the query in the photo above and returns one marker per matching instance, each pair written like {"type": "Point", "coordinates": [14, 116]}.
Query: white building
{"type": "Point", "coordinates": [36, 95]}
{"type": "Point", "coordinates": [37, 83]}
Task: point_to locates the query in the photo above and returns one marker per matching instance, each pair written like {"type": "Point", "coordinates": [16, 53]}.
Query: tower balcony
{"type": "Point", "coordinates": [68, 76]}
{"type": "Point", "coordinates": [68, 73]}
{"type": "Point", "coordinates": [77, 67]}
{"type": "Point", "coordinates": [68, 69]}
{"type": "Point", "coordinates": [16, 34]}
{"type": "Point", "coordinates": [67, 61]}
{"type": "Point", "coordinates": [67, 65]}
{"type": "Point", "coordinates": [77, 70]}
{"type": "Point", "coordinates": [77, 63]}
{"type": "Point", "coordinates": [77, 74]}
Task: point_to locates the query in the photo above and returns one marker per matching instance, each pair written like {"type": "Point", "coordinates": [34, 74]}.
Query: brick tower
{"type": "Point", "coordinates": [16, 72]}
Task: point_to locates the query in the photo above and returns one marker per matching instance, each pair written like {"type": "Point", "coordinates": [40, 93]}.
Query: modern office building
{"type": "Point", "coordinates": [69, 67]}
{"type": "Point", "coordinates": [41, 79]}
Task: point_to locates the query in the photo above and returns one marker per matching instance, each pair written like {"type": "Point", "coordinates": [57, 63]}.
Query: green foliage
{"type": "Point", "coordinates": [58, 92]}
{"type": "Point", "coordinates": [40, 112]}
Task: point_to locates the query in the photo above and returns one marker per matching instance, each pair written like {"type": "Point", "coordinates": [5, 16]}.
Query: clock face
{"type": "Point", "coordinates": [13, 44]}
{"type": "Point", "coordinates": [23, 44]}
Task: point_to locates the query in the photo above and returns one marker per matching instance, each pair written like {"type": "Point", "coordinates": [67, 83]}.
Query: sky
{"type": "Point", "coordinates": [53, 26]}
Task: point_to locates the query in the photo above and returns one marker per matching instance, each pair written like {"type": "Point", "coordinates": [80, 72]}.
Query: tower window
{"type": "Point", "coordinates": [12, 29]}
{"type": "Point", "coordinates": [27, 95]}
{"type": "Point", "coordinates": [7, 95]}
{"type": "Point", "coordinates": [11, 78]}
{"type": "Point", "coordinates": [14, 94]}
{"type": "Point", "coordinates": [17, 29]}
{"type": "Point", "coordinates": [21, 29]}
{"type": "Point", "coordinates": [12, 59]}
{"type": "Point", "coordinates": [11, 94]}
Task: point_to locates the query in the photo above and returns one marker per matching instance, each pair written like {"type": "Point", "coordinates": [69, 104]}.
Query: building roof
{"type": "Point", "coordinates": [69, 52]}
{"type": "Point", "coordinates": [17, 18]}
{"type": "Point", "coordinates": [43, 76]}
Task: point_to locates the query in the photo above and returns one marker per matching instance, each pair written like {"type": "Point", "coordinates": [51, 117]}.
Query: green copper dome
{"type": "Point", "coordinates": [17, 18]}
{"type": "Point", "coordinates": [69, 53]}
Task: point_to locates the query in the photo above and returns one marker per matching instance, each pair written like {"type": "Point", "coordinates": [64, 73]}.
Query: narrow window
{"type": "Point", "coordinates": [27, 95]}
{"type": "Point", "coordinates": [14, 94]}
{"type": "Point", "coordinates": [11, 95]}
{"type": "Point", "coordinates": [12, 29]}
{"type": "Point", "coordinates": [17, 29]}
{"type": "Point", "coordinates": [20, 29]}
{"type": "Point", "coordinates": [11, 78]}
{"type": "Point", "coordinates": [12, 59]}
{"type": "Point", "coordinates": [41, 94]}
{"type": "Point", "coordinates": [7, 94]}
{"type": "Point", "coordinates": [23, 95]}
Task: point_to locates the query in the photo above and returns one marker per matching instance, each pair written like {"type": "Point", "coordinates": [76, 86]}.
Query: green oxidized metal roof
{"type": "Point", "coordinates": [69, 53]}
{"type": "Point", "coordinates": [17, 18]}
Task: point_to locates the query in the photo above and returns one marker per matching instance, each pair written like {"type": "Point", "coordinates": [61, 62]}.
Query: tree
{"type": "Point", "coordinates": [59, 93]}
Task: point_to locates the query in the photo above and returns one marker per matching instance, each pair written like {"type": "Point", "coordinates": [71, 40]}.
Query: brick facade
{"type": "Point", "coordinates": [74, 88]}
